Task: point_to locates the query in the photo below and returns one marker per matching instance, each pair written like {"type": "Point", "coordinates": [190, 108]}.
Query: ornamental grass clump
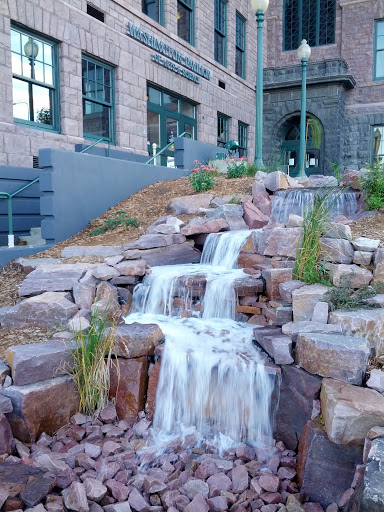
{"type": "Point", "coordinates": [202, 177]}
{"type": "Point", "coordinates": [309, 265]}
{"type": "Point", "coordinates": [92, 360]}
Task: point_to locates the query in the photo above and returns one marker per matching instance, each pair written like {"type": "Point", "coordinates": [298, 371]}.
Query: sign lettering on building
{"type": "Point", "coordinates": [196, 70]}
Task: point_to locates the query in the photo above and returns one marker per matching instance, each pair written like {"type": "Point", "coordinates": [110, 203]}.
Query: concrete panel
{"type": "Point", "coordinates": [189, 150]}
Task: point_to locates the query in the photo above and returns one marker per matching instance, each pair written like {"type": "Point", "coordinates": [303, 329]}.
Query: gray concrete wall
{"type": "Point", "coordinates": [113, 153]}
{"type": "Point", "coordinates": [25, 206]}
{"type": "Point", "coordinates": [77, 188]}
{"type": "Point", "coordinates": [189, 150]}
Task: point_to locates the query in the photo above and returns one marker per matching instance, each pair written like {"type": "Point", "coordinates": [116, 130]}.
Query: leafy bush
{"type": "Point", "coordinates": [92, 359]}
{"type": "Point", "coordinates": [121, 218]}
{"type": "Point", "coordinates": [236, 167]}
{"type": "Point", "coordinates": [373, 186]}
{"type": "Point", "coordinates": [309, 266]}
{"type": "Point", "coordinates": [202, 177]}
{"type": "Point", "coordinates": [347, 299]}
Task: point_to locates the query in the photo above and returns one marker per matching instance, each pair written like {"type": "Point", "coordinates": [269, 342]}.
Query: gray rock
{"type": "Point", "coordinates": [101, 251]}
{"type": "Point", "coordinates": [320, 313]}
{"type": "Point", "coordinates": [4, 371]}
{"type": "Point", "coordinates": [94, 489]}
{"type": "Point", "coordinates": [75, 497]}
{"type": "Point", "coordinates": [155, 240]}
{"type": "Point", "coordinates": [239, 479]}
{"type": "Point", "coordinates": [278, 347]}
{"type": "Point", "coordinates": [7, 441]}
{"type": "Point", "coordinates": [287, 288]}
{"type": "Point", "coordinates": [277, 242]}
{"type": "Point", "coordinates": [50, 309]}
{"type": "Point", "coordinates": [362, 258]}
{"type": "Point", "coordinates": [337, 250]}
{"type": "Point", "coordinates": [276, 181]}
{"type": "Point", "coordinates": [114, 260]}
{"type": "Point", "coordinates": [339, 357]}
{"type": "Point", "coordinates": [318, 180]}
{"type": "Point", "coordinates": [5, 405]}
{"type": "Point", "coordinates": [337, 230]}
{"type": "Point", "coordinates": [365, 244]}
{"type": "Point", "coordinates": [105, 272]}
{"type": "Point", "coordinates": [373, 487]}
{"type": "Point", "coordinates": [137, 502]}
{"type": "Point", "coordinates": [132, 267]}
{"type": "Point", "coordinates": [375, 381]}
{"type": "Point", "coordinates": [118, 507]}
{"type": "Point", "coordinates": [194, 487]}
{"type": "Point", "coordinates": [294, 221]}
{"type": "Point", "coordinates": [172, 255]}
{"type": "Point", "coordinates": [293, 329]}
{"type": "Point", "coordinates": [232, 213]}
{"type": "Point", "coordinates": [84, 295]}
{"type": "Point", "coordinates": [378, 272]}
{"type": "Point", "coordinates": [136, 340]}
{"type": "Point", "coordinates": [304, 300]}
{"type": "Point", "coordinates": [38, 361]}
{"type": "Point", "coordinates": [81, 321]}
{"type": "Point", "coordinates": [189, 204]}
{"type": "Point", "coordinates": [28, 265]}
{"type": "Point", "coordinates": [351, 276]}
{"type": "Point", "coordinates": [166, 225]}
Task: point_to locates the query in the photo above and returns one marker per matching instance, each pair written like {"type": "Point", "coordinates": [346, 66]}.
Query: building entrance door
{"type": "Point", "coordinates": [290, 151]}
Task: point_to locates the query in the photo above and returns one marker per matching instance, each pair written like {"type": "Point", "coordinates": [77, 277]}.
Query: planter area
{"type": "Point", "coordinates": [326, 399]}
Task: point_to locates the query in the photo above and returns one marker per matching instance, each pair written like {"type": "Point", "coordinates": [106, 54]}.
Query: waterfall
{"type": "Point", "coordinates": [296, 201]}
{"type": "Point", "coordinates": [212, 379]}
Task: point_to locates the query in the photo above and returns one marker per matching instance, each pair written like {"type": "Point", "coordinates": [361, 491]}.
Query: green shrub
{"type": "Point", "coordinates": [347, 299]}
{"type": "Point", "coordinates": [202, 177]}
{"type": "Point", "coordinates": [309, 266]}
{"type": "Point", "coordinates": [120, 218]}
{"type": "Point", "coordinates": [236, 167]}
{"type": "Point", "coordinates": [373, 186]}
{"type": "Point", "coordinates": [92, 359]}
{"type": "Point", "coordinates": [235, 200]}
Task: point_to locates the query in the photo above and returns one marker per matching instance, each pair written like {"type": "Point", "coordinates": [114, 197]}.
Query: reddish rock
{"type": "Point", "coordinates": [7, 441]}
{"type": "Point", "coordinates": [189, 204]}
{"type": "Point", "coordinates": [118, 490]}
{"type": "Point", "coordinates": [272, 497]}
{"type": "Point", "coordinates": [254, 218]}
{"type": "Point", "coordinates": [136, 340]}
{"type": "Point", "coordinates": [277, 242]}
{"type": "Point", "coordinates": [198, 504]}
{"type": "Point", "coordinates": [75, 497]}
{"type": "Point", "coordinates": [337, 250]}
{"type": "Point", "coordinates": [273, 278]}
{"type": "Point", "coordinates": [239, 479]}
{"type": "Point", "coordinates": [324, 469]}
{"type": "Point", "coordinates": [269, 483]}
{"type": "Point", "coordinates": [131, 267]}
{"type": "Point", "coordinates": [218, 504]}
{"type": "Point", "coordinates": [130, 390]}
{"type": "Point", "coordinates": [201, 226]}
{"type": "Point", "coordinates": [137, 502]}
{"type": "Point", "coordinates": [36, 490]}
{"type": "Point", "coordinates": [41, 407]}
{"type": "Point", "coordinates": [221, 481]}
{"type": "Point", "coordinates": [287, 288]}
{"type": "Point", "coordinates": [261, 198]}
{"type": "Point", "coordinates": [172, 255]}
{"type": "Point", "coordinates": [95, 489]}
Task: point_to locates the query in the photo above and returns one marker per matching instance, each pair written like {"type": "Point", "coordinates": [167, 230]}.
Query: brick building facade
{"type": "Point", "coordinates": [138, 72]}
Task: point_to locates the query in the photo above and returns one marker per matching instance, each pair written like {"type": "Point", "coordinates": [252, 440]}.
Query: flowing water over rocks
{"type": "Point", "coordinates": [297, 201]}
{"type": "Point", "coordinates": [213, 379]}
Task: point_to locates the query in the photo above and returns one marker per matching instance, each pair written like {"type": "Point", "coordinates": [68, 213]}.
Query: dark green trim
{"type": "Point", "coordinates": [375, 50]}
{"type": "Point", "coordinates": [220, 32]}
{"type": "Point", "coordinates": [191, 9]}
{"type": "Point", "coordinates": [112, 136]}
{"type": "Point", "coordinates": [221, 142]}
{"type": "Point", "coordinates": [242, 135]}
{"type": "Point", "coordinates": [55, 127]}
{"type": "Point", "coordinates": [242, 46]}
{"type": "Point", "coordinates": [160, 20]}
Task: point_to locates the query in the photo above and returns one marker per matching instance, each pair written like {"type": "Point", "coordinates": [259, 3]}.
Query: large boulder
{"type": "Point", "coordinates": [135, 340]}
{"type": "Point", "coordinates": [276, 181]}
{"type": "Point", "coordinates": [349, 412]}
{"type": "Point", "coordinates": [366, 244]}
{"type": "Point", "coordinates": [351, 276]}
{"type": "Point", "coordinates": [293, 329]}
{"type": "Point", "coordinates": [38, 361]}
{"type": "Point", "coordinates": [364, 323]}
{"type": "Point", "coordinates": [253, 216]}
{"type": "Point", "coordinates": [172, 254]}
{"type": "Point", "coordinates": [277, 242]}
{"type": "Point", "coordinates": [132, 267]}
{"type": "Point", "coordinates": [129, 378]}
{"type": "Point", "coordinates": [337, 250]}
{"type": "Point", "coordinates": [202, 226]}
{"type": "Point", "coordinates": [325, 470]}
{"type": "Point", "coordinates": [298, 391]}
{"type": "Point", "coordinates": [50, 309]}
{"type": "Point", "coordinates": [189, 204]}
{"type": "Point", "coordinates": [304, 300]}
{"type": "Point", "coordinates": [330, 355]}
{"type": "Point", "coordinates": [232, 213]}
{"type": "Point", "coordinates": [41, 407]}
{"type": "Point", "coordinates": [155, 240]}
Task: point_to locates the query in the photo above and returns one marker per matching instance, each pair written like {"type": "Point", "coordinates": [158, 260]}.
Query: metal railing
{"type": "Point", "coordinates": [156, 154]}
{"type": "Point", "coordinates": [9, 197]}
{"type": "Point", "coordinates": [97, 142]}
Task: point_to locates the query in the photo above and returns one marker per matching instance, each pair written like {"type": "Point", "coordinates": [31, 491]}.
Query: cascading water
{"type": "Point", "coordinates": [296, 201]}
{"type": "Point", "coordinates": [213, 379]}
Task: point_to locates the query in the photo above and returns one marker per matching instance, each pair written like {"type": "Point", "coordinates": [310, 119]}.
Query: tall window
{"type": "Point", "coordinates": [222, 130]}
{"type": "Point", "coordinates": [242, 137]}
{"type": "Point", "coordinates": [379, 51]}
{"type": "Point", "coordinates": [240, 46]}
{"type": "Point", "coordinates": [221, 32]}
{"type": "Point", "coordinates": [313, 20]}
{"type": "Point", "coordinates": [98, 100]}
{"type": "Point", "coordinates": [154, 9]}
{"type": "Point", "coordinates": [35, 80]}
{"type": "Point", "coordinates": [185, 20]}
{"type": "Point", "coordinates": [378, 145]}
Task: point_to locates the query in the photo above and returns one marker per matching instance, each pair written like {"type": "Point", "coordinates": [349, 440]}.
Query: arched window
{"type": "Point", "coordinates": [313, 20]}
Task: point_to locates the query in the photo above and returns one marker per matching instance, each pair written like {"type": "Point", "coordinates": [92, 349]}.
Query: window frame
{"type": "Point", "coordinates": [225, 119]}
{"type": "Point", "coordinates": [191, 9]}
{"type": "Point", "coordinates": [242, 135]}
{"type": "Point", "coordinates": [218, 32]}
{"type": "Point", "coordinates": [55, 87]}
{"type": "Point", "coordinates": [375, 50]}
{"type": "Point", "coordinates": [112, 136]}
{"type": "Point", "coordinates": [160, 21]}
{"type": "Point", "coordinates": [300, 30]}
{"type": "Point", "coordinates": [380, 127]}
{"type": "Point", "coordinates": [240, 19]}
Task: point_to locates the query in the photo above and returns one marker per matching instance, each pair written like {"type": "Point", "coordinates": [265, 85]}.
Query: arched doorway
{"type": "Point", "coordinates": [290, 144]}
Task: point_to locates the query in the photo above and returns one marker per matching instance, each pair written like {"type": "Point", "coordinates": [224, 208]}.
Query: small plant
{"type": "Point", "coordinates": [92, 359]}
{"type": "Point", "coordinates": [337, 172]}
{"type": "Point", "coordinates": [347, 299]}
{"type": "Point", "coordinates": [373, 186]}
{"type": "Point", "coordinates": [121, 218]}
{"type": "Point", "coordinates": [235, 200]}
{"type": "Point", "coordinates": [236, 167]}
{"type": "Point", "coordinates": [309, 266]}
{"type": "Point", "coordinates": [202, 177]}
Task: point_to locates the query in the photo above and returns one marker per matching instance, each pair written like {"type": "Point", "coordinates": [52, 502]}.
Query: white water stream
{"type": "Point", "coordinates": [212, 379]}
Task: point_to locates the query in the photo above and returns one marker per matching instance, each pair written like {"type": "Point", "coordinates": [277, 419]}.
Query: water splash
{"type": "Point", "coordinates": [222, 249]}
{"type": "Point", "coordinates": [296, 201]}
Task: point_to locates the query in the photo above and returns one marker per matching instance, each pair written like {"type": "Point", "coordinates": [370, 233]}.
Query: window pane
{"type": "Point", "coordinates": [91, 71]}
{"type": "Point", "coordinates": [189, 128]}
{"type": "Point", "coordinates": [16, 64]}
{"type": "Point", "coordinates": [219, 48]}
{"type": "Point", "coordinates": [154, 95]}
{"type": "Point", "coordinates": [107, 77]}
{"type": "Point", "coordinates": [170, 102]}
{"type": "Point", "coordinates": [380, 28]}
{"type": "Point", "coordinates": [183, 22]}
{"type": "Point", "coordinates": [380, 64]}
{"type": "Point", "coordinates": [291, 24]}
{"type": "Point", "coordinates": [96, 119]}
{"type": "Point", "coordinates": [15, 41]}
{"type": "Point", "coordinates": [20, 99]}
{"type": "Point", "coordinates": [153, 130]}
{"type": "Point", "coordinates": [39, 71]}
{"type": "Point", "coordinates": [171, 130]}
{"type": "Point", "coordinates": [187, 109]}
{"type": "Point", "coordinates": [239, 63]}
{"type": "Point", "coordinates": [48, 75]}
{"type": "Point", "coordinates": [27, 67]}
{"type": "Point", "coordinates": [151, 9]}
{"type": "Point", "coordinates": [47, 54]}
{"type": "Point", "coordinates": [380, 43]}
{"type": "Point", "coordinates": [378, 144]}
{"type": "Point", "coordinates": [42, 105]}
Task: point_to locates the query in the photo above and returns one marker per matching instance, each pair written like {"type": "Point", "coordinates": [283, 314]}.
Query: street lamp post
{"type": "Point", "coordinates": [31, 50]}
{"type": "Point", "coordinates": [259, 7]}
{"type": "Point", "coordinates": [303, 54]}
